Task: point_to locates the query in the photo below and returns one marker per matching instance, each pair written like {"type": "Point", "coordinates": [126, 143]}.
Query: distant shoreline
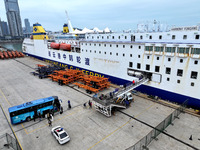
{"type": "Point", "coordinates": [10, 41]}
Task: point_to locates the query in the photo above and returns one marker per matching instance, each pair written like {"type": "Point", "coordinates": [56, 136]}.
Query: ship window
{"type": "Point", "coordinates": [184, 36]}
{"type": "Point", "coordinates": [160, 37]}
{"type": "Point", "coordinates": [147, 67]}
{"type": "Point", "coordinates": [110, 53]}
{"type": "Point", "coordinates": [116, 45]}
{"type": "Point", "coordinates": [132, 38]}
{"type": "Point", "coordinates": [82, 50]}
{"type": "Point", "coordinates": [178, 81]}
{"type": "Point", "coordinates": [168, 79]}
{"type": "Point", "coordinates": [99, 44]}
{"type": "Point", "coordinates": [180, 72]}
{"type": "Point", "coordinates": [116, 54]}
{"type": "Point", "coordinates": [149, 48]}
{"type": "Point", "coordinates": [192, 83]}
{"type": "Point", "coordinates": [194, 74]}
{"type": "Point", "coordinates": [94, 44]}
{"type": "Point", "coordinates": [130, 64]}
{"type": "Point", "coordinates": [85, 43]}
{"type": "Point", "coordinates": [102, 37]}
{"type": "Point", "coordinates": [170, 49]}
{"type": "Point", "coordinates": [173, 37]}
{"type": "Point", "coordinates": [131, 46]}
{"type": "Point", "coordinates": [113, 37]}
{"type": "Point", "coordinates": [86, 50]}
{"type": "Point", "coordinates": [157, 68]}
{"type": "Point", "coordinates": [158, 58]}
{"type": "Point", "coordinates": [181, 60]}
{"type": "Point", "coordinates": [123, 46]}
{"type": "Point", "coordinates": [94, 51]}
{"type": "Point", "coordinates": [169, 59]}
{"type": "Point", "coordinates": [92, 37]}
{"type": "Point", "coordinates": [90, 44]}
{"type": "Point", "coordinates": [87, 37]}
{"type": "Point", "coordinates": [107, 37]}
{"type": "Point", "coordinates": [104, 45]}
{"type": "Point", "coordinates": [82, 43]}
{"type": "Point", "coordinates": [159, 49]}
{"type": "Point", "coordinates": [110, 45]}
{"type": "Point", "coordinates": [97, 37]}
{"type": "Point", "coordinates": [119, 37]}
{"type": "Point", "coordinates": [138, 65]}
{"type": "Point", "coordinates": [99, 52]}
{"type": "Point", "coordinates": [138, 56]}
{"type": "Point", "coordinates": [147, 57]}
{"type": "Point", "coordinates": [195, 51]}
{"type": "Point", "coordinates": [195, 62]}
{"type": "Point", "coordinates": [90, 51]}
{"type": "Point", "coordinates": [139, 47]}
{"type": "Point", "coordinates": [130, 55]}
{"type": "Point", "coordinates": [183, 50]}
{"type": "Point", "coordinates": [150, 37]}
{"type": "Point", "coordinates": [168, 70]}
{"type": "Point", "coordinates": [125, 37]}
{"type": "Point", "coordinates": [197, 37]}
{"type": "Point", "coordinates": [141, 37]}
{"type": "Point", "coordinates": [104, 52]}
{"type": "Point", "coordinates": [123, 54]}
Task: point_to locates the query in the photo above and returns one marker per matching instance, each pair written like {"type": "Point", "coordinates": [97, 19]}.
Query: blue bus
{"type": "Point", "coordinates": [29, 110]}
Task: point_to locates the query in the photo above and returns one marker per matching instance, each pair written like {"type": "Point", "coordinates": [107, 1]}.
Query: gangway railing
{"type": "Point", "coordinates": [106, 103]}
{"type": "Point", "coordinates": [131, 87]}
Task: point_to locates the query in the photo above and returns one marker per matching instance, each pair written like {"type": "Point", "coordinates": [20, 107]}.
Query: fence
{"type": "Point", "coordinates": [145, 141]}
{"type": "Point", "coordinates": [7, 142]}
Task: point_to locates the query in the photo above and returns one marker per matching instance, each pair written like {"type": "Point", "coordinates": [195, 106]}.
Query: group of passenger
{"type": "Point", "coordinates": [89, 103]}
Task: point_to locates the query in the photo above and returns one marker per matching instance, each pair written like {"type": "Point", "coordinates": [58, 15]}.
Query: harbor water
{"type": "Point", "coordinates": [12, 46]}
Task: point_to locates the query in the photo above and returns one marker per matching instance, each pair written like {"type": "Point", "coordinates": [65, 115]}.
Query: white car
{"type": "Point", "coordinates": [60, 134]}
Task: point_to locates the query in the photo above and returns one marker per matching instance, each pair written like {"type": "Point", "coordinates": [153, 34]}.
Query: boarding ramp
{"type": "Point", "coordinates": [130, 87]}
{"type": "Point", "coordinates": [106, 104]}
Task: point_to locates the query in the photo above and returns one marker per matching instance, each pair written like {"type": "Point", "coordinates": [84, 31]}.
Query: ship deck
{"type": "Point", "coordinates": [88, 129]}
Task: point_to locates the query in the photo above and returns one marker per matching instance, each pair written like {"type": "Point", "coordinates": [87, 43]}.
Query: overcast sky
{"type": "Point", "coordinates": [114, 14]}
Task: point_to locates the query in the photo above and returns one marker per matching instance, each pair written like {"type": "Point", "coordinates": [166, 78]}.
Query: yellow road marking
{"type": "Point", "coordinates": [5, 97]}
{"type": "Point", "coordinates": [120, 127]}
{"type": "Point", "coordinates": [54, 121]}
{"type": "Point", "coordinates": [12, 128]}
{"type": "Point", "coordinates": [10, 105]}
{"type": "Point", "coordinates": [24, 129]}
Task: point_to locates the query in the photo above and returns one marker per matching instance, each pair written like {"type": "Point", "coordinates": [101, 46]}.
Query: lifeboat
{"type": "Point", "coordinates": [17, 53]}
{"type": "Point", "coordinates": [22, 55]}
{"type": "Point", "coordinates": [55, 45]}
{"type": "Point", "coordinates": [65, 47]}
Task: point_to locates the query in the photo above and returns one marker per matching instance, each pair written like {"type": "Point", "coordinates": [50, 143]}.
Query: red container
{"type": "Point", "coordinates": [55, 45]}
{"type": "Point", "coordinates": [65, 46]}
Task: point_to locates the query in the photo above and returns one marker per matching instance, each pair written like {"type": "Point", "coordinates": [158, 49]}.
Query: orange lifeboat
{"type": "Point", "coordinates": [65, 47]}
{"type": "Point", "coordinates": [55, 45]}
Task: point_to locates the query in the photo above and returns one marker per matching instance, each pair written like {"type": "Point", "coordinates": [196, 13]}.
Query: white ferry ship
{"type": "Point", "coordinates": [170, 59]}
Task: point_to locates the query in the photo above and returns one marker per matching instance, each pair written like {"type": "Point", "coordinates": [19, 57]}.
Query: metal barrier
{"type": "Point", "coordinates": [145, 141]}
{"type": "Point", "coordinates": [7, 142]}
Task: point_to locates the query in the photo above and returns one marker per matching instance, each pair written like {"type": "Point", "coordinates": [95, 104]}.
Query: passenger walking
{"type": "Point", "coordinates": [39, 115]}
{"type": "Point", "coordinates": [84, 105]}
{"type": "Point", "coordinates": [69, 105]}
{"type": "Point", "coordinates": [90, 104]}
{"type": "Point", "coordinates": [50, 123]}
{"type": "Point", "coordinates": [51, 117]}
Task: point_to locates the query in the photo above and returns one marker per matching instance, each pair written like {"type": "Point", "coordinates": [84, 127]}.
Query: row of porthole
{"type": "Point", "coordinates": [131, 46]}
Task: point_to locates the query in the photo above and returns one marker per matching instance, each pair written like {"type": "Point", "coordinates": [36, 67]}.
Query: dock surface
{"type": "Point", "coordinates": [87, 128]}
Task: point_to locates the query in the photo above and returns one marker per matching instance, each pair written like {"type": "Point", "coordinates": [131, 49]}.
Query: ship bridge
{"type": "Point", "coordinates": [106, 104]}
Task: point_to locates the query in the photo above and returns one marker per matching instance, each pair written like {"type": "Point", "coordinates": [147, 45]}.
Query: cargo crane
{"type": "Point", "coordinates": [107, 104]}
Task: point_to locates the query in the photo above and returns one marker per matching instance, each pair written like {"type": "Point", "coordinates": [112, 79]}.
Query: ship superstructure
{"type": "Point", "coordinates": [169, 59]}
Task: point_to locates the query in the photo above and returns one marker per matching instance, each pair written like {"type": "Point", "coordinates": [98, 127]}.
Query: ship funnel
{"type": "Point", "coordinates": [38, 32]}
{"type": "Point", "coordinates": [65, 28]}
